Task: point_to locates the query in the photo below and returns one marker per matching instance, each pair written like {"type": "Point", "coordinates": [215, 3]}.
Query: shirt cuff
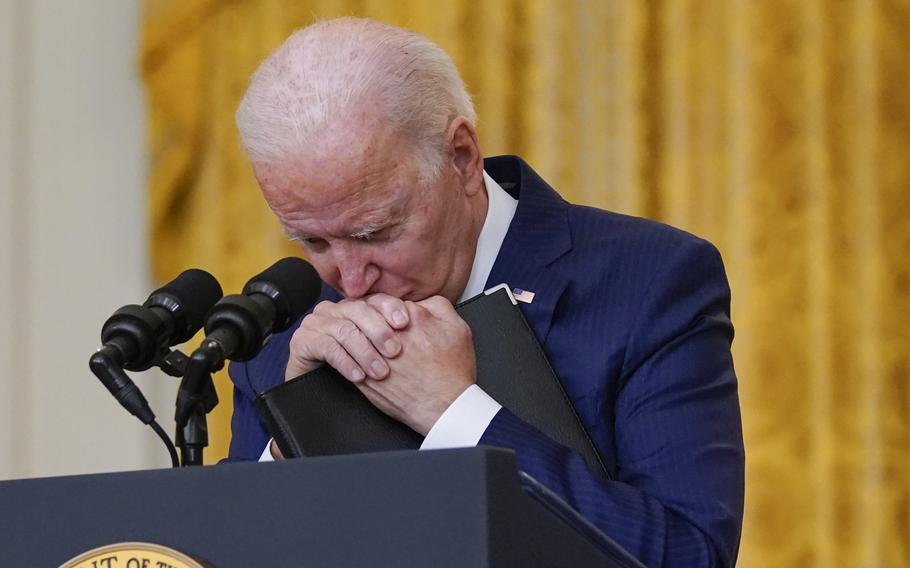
{"type": "Point", "coordinates": [464, 421]}
{"type": "Point", "coordinates": [267, 453]}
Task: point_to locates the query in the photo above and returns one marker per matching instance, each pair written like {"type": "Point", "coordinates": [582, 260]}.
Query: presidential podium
{"type": "Point", "coordinates": [466, 507]}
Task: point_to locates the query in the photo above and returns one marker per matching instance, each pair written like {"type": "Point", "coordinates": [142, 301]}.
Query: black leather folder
{"type": "Point", "coordinates": [321, 413]}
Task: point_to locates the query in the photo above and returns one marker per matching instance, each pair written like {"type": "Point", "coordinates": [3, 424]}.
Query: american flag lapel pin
{"type": "Point", "coordinates": [523, 295]}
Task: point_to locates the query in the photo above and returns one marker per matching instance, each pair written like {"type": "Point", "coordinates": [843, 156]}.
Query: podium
{"type": "Point", "coordinates": [465, 507]}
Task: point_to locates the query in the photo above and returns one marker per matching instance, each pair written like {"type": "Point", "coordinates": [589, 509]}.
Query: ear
{"type": "Point", "coordinates": [466, 156]}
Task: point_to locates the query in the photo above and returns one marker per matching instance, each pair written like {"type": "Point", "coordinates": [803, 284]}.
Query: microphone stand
{"type": "Point", "coordinates": [192, 438]}
{"type": "Point", "coordinates": [196, 398]}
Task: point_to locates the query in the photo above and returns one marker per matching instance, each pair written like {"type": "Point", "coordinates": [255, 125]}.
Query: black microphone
{"type": "Point", "coordinates": [136, 337]}
{"type": "Point", "coordinates": [270, 302]}
{"type": "Point", "coordinates": [238, 325]}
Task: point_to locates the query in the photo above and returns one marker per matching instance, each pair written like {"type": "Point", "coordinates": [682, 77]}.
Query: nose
{"type": "Point", "coordinates": [356, 272]}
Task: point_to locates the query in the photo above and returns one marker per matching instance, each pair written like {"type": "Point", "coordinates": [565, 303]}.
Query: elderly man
{"type": "Point", "coordinates": [362, 138]}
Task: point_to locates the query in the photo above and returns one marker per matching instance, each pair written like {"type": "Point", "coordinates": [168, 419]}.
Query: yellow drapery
{"type": "Point", "coordinates": [779, 130]}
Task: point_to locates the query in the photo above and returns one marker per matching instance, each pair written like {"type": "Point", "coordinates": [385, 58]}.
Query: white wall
{"type": "Point", "coordinates": [72, 234]}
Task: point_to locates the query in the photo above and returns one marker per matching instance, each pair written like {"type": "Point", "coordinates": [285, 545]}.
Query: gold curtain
{"type": "Point", "coordinates": [779, 130]}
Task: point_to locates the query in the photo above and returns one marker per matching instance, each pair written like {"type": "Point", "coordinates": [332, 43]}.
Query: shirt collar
{"type": "Point", "coordinates": [500, 210]}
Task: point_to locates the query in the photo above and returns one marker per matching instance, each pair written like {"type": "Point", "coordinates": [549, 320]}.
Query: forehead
{"type": "Point", "coordinates": [336, 194]}
{"type": "Point", "coordinates": [355, 150]}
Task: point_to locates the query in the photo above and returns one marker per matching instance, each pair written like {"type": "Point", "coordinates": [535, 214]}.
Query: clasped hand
{"type": "Point", "coordinates": [410, 359]}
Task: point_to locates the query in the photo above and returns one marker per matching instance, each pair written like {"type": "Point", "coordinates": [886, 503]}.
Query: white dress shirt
{"type": "Point", "coordinates": [467, 418]}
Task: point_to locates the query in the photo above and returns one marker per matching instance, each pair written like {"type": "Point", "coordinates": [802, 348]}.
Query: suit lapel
{"type": "Point", "coordinates": [547, 288]}
{"type": "Point", "coordinates": [538, 236]}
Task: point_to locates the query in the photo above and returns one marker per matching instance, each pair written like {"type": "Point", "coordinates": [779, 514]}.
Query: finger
{"type": "Point", "coordinates": [392, 308]}
{"type": "Point", "coordinates": [311, 345]}
{"type": "Point", "coordinates": [372, 324]}
{"type": "Point", "coordinates": [353, 340]}
{"type": "Point", "coordinates": [336, 341]}
{"type": "Point", "coordinates": [439, 307]}
{"type": "Point", "coordinates": [416, 311]}
{"type": "Point", "coordinates": [299, 360]}
{"type": "Point", "coordinates": [275, 450]}
{"type": "Point", "coordinates": [375, 395]}
{"type": "Point", "coordinates": [324, 307]}
{"type": "Point", "coordinates": [369, 321]}
{"type": "Point", "coordinates": [336, 356]}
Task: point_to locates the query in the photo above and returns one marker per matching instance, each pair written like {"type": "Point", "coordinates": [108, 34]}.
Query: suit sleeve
{"type": "Point", "coordinates": [249, 435]}
{"type": "Point", "coordinates": [677, 496]}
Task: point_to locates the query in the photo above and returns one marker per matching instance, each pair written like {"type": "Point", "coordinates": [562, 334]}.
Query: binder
{"type": "Point", "coordinates": [321, 413]}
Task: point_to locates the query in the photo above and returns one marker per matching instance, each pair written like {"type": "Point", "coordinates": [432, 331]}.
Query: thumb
{"type": "Point", "coordinates": [439, 307]}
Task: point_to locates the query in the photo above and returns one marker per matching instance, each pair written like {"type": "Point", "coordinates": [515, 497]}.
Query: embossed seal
{"type": "Point", "coordinates": [133, 555]}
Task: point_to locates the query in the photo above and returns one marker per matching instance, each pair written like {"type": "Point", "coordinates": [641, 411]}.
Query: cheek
{"type": "Point", "coordinates": [394, 258]}
{"type": "Point", "coordinates": [327, 263]}
{"type": "Point", "coordinates": [406, 259]}
{"type": "Point", "coordinates": [324, 265]}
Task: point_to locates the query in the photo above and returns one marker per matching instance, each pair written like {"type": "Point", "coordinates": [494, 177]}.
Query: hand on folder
{"type": "Point", "coordinates": [435, 366]}
{"type": "Point", "coordinates": [322, 413]}
{"type": "Point", "coordinates": [411, 368]}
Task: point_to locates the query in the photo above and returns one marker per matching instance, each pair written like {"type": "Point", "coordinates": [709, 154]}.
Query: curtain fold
{"type": "Point", "coordinates": [779, 130]}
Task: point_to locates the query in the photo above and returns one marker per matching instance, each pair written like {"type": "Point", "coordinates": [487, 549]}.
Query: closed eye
{"type": "Point", "coordinates": [308, 242]}
{"type": "Point", "coordinates": [370, 234]}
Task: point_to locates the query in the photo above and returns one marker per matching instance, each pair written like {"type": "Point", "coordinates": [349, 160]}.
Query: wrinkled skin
{"type": "Point", "coordinates": [400, 248]}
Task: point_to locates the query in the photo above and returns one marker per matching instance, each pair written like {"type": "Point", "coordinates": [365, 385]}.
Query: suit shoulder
{"type": "Point", "coordinates": [597, 230]}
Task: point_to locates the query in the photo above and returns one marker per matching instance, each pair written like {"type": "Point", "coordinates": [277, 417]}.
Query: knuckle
{"type": "Point", "coordinates": [302, 339]}
{"type": "Point", "coordinates": [393, 303]}
{"type": "Point", "coordinates": [323, 344]}
{"type": "Point", "coordinates": [323, 307]}
{"type": "Point", "coordinates": [334, 353]}
{"type": "Point", "coordinates": [308, 321]}
{"type": "Point", "coordinates": [298, 335]}
{"type": "Point", "coordinates": [385, 302]}
{"type": "Point", "coordinates": [380, 298]}
{"type": "Point", "coordinates": [362, 309]}
{"type": "Point", "coordinates": [384, 334]}
{"type": "Point", "coordinates": [345, 330]}
{"type": "Point", "coordinates": [358, 310]}
{"type": "Point", "coordinates": [312, 324]}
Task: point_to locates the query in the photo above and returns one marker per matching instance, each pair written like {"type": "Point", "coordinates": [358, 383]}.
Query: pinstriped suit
{"type": "Point", "coordinates": [634, 317]}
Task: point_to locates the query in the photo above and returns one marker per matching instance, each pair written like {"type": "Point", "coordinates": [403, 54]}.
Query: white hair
{"type": "Point", "coordinates": [321, 72]}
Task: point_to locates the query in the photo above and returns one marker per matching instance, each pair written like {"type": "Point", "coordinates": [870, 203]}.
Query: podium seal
{"type": "Point", "coordinates": [133, 555]}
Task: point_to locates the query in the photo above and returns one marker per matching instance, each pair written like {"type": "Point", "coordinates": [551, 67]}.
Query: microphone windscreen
{"type": "Point", "coordinates": [188, 297]}
{"type": "Point", "coordinates": [297, 285]}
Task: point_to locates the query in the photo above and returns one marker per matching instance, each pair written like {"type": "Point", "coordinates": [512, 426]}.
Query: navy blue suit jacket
{"type": "Point", "coordinates": [634, 316]}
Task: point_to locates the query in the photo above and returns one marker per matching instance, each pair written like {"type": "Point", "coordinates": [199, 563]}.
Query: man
{"type": "Point", "coordinates": [362, 138]}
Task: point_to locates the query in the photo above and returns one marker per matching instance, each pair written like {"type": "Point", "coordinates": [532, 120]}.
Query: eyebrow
{"type": "Point", "coordinates": [364, 232]}
{"type": "Point", "coordinates": [290, 235]}
{"type": "Point", "coordinates": [398, 216]}
{"type": "Point", "coordinates": [369, 230]}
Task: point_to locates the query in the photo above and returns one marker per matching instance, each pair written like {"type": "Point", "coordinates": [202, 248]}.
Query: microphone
{"type": "Point", "coordinates": [270, 302]}
{"type": "Point", "coordinates": [238, 325]}
{"type": "Point", "coordinates": [136, 337]}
